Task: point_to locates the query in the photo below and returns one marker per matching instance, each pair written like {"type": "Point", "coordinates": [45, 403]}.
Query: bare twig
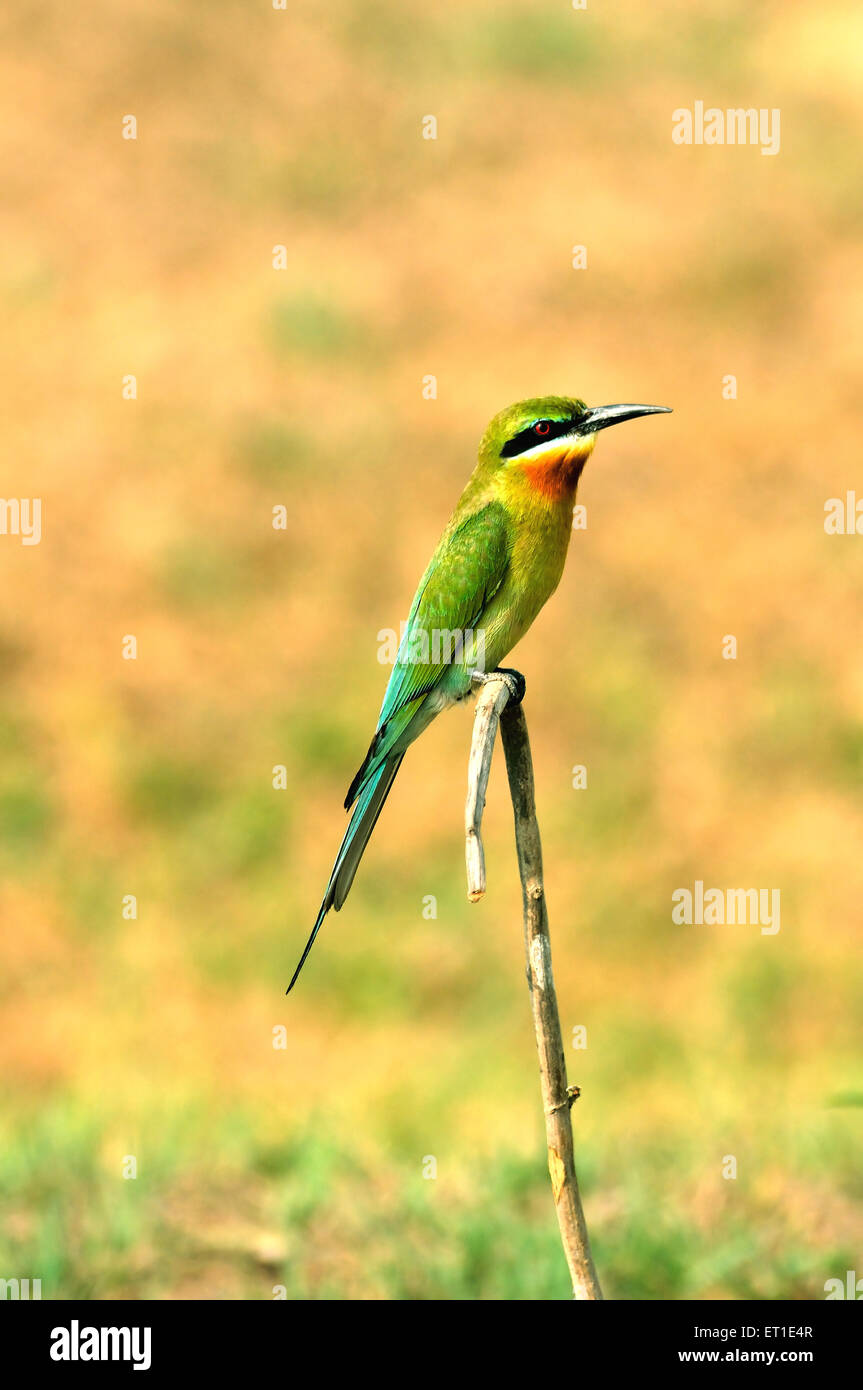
{"type": "Point", "coordinates": [495, 705]}
{"type": "Point", "coordinates": [491, 700]}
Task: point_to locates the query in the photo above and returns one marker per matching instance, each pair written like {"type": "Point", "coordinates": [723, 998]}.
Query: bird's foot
{"type": "Point", "coordinates": [514, 680]}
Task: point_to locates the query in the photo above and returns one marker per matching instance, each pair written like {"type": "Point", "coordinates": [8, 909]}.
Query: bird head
{"type": "Point", "coordinates": [550, 438]}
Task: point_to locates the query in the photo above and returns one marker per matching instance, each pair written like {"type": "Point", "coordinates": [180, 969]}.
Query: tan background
{"type": "Point", "coordinates": [411, 1037]}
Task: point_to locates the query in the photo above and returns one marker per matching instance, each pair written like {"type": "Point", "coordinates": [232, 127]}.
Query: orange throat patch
{"type": "Point", "coordinates": [556, 476]}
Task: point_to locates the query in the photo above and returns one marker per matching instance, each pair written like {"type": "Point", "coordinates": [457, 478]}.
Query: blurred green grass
{"type": "Point", "coordinates": [218, 1209]}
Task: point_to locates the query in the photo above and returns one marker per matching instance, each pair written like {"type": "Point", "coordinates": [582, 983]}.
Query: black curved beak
{"type": "Point", "coordinates": [605, 415]}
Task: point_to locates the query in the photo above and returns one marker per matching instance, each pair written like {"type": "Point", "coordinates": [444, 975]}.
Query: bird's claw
{"type": "Point", "coordinates": [514, 681]}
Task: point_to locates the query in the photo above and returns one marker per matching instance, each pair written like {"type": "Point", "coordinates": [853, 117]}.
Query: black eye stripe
{"type": "Point", "coordinates": [527, 439]}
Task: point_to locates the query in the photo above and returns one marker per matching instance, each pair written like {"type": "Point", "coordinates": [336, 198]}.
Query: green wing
{"type": "Point", "coordinates": [464, 574]}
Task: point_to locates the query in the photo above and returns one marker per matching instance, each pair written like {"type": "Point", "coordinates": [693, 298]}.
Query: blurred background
{"type": "Point", "coordinates": [409, 1035]}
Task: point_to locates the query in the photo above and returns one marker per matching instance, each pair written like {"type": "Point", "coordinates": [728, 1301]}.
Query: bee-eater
{"type": "Point", "coordinates": [500, 557]}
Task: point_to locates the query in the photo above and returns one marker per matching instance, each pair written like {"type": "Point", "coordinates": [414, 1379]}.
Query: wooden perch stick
{"type": "Point", "coordinates": [491, 701]}
{"type": "Point", "coordinates": [495, 704]}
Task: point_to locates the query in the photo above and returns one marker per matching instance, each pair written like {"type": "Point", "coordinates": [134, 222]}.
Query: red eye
{"type": "Point", "coordinates": [542, 427]}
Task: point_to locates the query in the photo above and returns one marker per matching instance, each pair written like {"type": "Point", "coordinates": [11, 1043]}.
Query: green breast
{"type": "Point", "coordinates": [540, 532]}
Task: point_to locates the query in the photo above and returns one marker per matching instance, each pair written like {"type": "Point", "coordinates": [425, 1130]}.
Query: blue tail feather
{"type": "Point", "coordinates": [362, 823]}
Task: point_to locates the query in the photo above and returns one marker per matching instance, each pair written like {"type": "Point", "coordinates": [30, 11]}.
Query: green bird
{"type": "Point", "coordinates": [499, 559]}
